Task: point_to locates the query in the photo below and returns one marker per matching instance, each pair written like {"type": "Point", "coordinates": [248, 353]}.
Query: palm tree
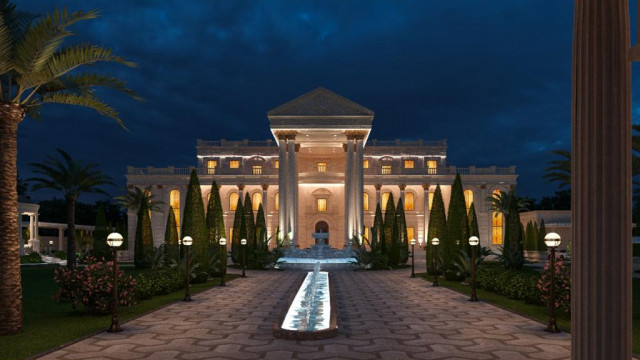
{"type": "Point", "coordinates": [35, 68]}
{"type": "Point", "coordinates": [559, 170]}
{"type": "Point", "coordinates": [499, 202]}
{"type": "Point", "coordinates": [133, 199]}
{"type": "Point", "coordinates": [73, 179]}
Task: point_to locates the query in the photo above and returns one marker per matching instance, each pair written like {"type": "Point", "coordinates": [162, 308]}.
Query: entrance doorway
{"type": "Point", "coordinates": [322, 227]}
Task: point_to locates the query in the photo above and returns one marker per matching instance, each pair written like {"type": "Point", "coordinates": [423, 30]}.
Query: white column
{"type": "Point", "coordinates": [292, 191]}
{"type": "Point", "coordinates": [282, 188]}
{"type": "Point", "coordinates": [267, 222]}
{"type": "Point", "coordinates": [31, 221]}
{"type": "Point", "coordinates": [359, 190]}
{"type": "Point", "coordinates": [20, 234]}
{"type": "Point", "coordinates": [402, 192]}
{"type": "Point", "coordinates": [425, 188]}
{"type": "Point", "coordinates": [348, 193]}
{"type": "Point", "coordinates": [241, 193]}
{"type": "Point", "coordinates": [378, 187]}
{"type": "Point", "coordinates": [61, 239]}
{"type": "Point", "coordinates": [35, 243]}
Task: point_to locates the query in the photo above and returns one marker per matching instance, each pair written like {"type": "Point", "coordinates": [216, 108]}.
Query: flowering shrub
{"type": "Point", "coordinates": [563, 286]}
{"type": "Point", "coordinates": [92, 286]}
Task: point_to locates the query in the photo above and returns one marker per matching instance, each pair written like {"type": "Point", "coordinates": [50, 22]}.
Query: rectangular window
{"type": "Point", "coordinates": [410, 234]}
{"type": "Point", "coordinates": [430, 200]}
{"type": "Point", "coordinates": [408, 164]}
{"type": "Point", "coordinates": [211, 167]}
{"type": "Point", "coordinates": [234, 164]}
{"type": "Point", "coordinates": [321, 166]}
{"type": "Point", "coordinates": [496, 227]}
{"type": "Point", "coordinates": [257, 170]}
{"type": "Point", "coordinates": [366, 235]}
{"type": "Point", "coordinates": [230, 234]}
{"type": "Point", "coordinates": [277, 164]}
{"type": "Point", "coordinates": [432, 167]}
{"type": "Point", "coordinates": [386, 169]}
{"type": "Point", "coordinates": [322, 205]}
{"type": "Point", "coordinates": [365, 164]}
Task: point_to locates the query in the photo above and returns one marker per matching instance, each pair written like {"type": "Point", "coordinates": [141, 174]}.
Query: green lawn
{"type": "Point", "coordinates": [538, 312]}
{"type": "Point", "coordinates": [48, 324]}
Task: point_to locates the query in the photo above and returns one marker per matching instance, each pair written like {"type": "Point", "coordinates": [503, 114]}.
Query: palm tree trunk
{"type": "Point", "coordinates": [10, 282]}
{"type": "Point", "coordinates": [71, 232]}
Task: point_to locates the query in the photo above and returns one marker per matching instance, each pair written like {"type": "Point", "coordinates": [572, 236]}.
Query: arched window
{"type": "Point", "coordinates": [384, 200]}
{"type": "Point", "coordinates": [365, 202]}
{"type": "Point", "coordinates": [496, 225]}
{"type": "Point", "coordinates": [408, 202]}
{"type": "Point", "coordinates": [233, 201]}
{"type": "Point", "coordinates": [468, 198]}
{"type": "Point", "coordinates": [276, 205]}
{"type": "Point", "coordinates": [256, 200]}
{"type": "Point", "coordinates": [174, 201]}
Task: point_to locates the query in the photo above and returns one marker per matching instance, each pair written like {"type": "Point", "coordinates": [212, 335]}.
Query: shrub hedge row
{"type": "Point", "coordinates": [158, 282]}
{"type": "Point", "coordinates": [513, 284]}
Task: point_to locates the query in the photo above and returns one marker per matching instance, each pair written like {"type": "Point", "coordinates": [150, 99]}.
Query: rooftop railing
{"type": "Point", "coordinates": [236, 143]}
{"type": "Point", "coordinates": [398, 142]}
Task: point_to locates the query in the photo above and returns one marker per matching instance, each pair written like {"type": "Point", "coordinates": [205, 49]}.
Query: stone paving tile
{"type": "Point", "coordinates": [381, 315]}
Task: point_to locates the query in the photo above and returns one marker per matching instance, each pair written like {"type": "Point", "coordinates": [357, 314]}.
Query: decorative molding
{"type": "Point", "coordinates": [286, 134]}
{"type": "Point", "coordinates": [322, 192]}
{"type": "Point", "coordinates": [378, 187]}
{"type": "Point", "coordinates": [297, 147]}
{"type": "Point", "coordinates": [265, 187]}
{"type": "Point", "coordinates": [402, 187]}
{"type": "Point", "coordinates": [320, 102]}
{"type": "Point", "coordinates": [425, 187]}
{"type": "Point", "coordinates": [355, 134]}
{"type": "Point", "coordinates": [240, 187]}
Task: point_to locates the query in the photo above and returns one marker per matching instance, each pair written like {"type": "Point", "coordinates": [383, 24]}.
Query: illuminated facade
{"type": "Point", "coordinates": [322, 173]}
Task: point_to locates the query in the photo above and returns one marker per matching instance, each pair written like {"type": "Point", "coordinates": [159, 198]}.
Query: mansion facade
{"type": "Point", "coordinates": [322, 173]}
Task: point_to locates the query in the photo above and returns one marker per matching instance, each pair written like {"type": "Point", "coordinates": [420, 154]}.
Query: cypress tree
{"type": "Point", "coordinates": [389, 221]}
{"type": "Point", "coordinates": [100, 247]}
{"type": "Point", "coordinates": [250, 224]}
{"type": "Point", "coordinates": [121, 228]}
{"type": "Point", "coordinates": [194, 223]}
{"type": "Point", "coordinates": [541, 234]}
{"type": "Point", "coordinates": [377, 240]}
{"type": "Point", "coordinates": [394, 244]}
{"type": "Point", "coordinates": [144, 236]}
{"type": "Point", "coordinates": [458, 223]}
{"type": "Point", "coordinates": [437, 226]}
{"type": "Point", "coordinates": [513, 239]}
{"type": "Point", "coordinates": [402, 233]}
{"type": "Point", "coordinates": [235, 239]}
{"type": "Point", "coordinates": [473, 222]}
{"type": "Point", "coordinates": [261, 223]}
{"type": "Point", "coordinates": [171, 239]}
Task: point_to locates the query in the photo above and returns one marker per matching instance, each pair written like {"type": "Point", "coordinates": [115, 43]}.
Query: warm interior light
{"type": "Point", "coordinates": [114, 240]}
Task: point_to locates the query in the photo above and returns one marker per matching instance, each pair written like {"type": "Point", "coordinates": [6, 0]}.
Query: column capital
{"type": "Point", "coordinates": [297, 147]}
{"type": "Point", "coordinates": [355, 134]}
{"type": "Point", "coordinates": [378, 186]}
{"type": "Point", "coordinates": [425, 187]}
{"type": "Point", "coordinates": [265, 187]}
{"type": "Point", "coordinates": [240, 186]}
{"type": "Point", "coordinates": [286, 134]}
{"type": "Point", "coordinates": [402, 187]}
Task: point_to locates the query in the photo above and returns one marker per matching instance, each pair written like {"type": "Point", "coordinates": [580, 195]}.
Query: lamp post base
{"type": "Point", "coordinates": [114, 328]}
{"type": "Point", "coordinates": [187, 298]}
{"type": "Point", "coordinates": [552, 328]}
{"type": "Point", "coordinates": [473, 298]}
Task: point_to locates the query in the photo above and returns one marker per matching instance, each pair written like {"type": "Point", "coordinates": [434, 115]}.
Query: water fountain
{"type": "Point", "coordinates": [311, 312]}
{"type": "Point", "coordinates": [330, 258]}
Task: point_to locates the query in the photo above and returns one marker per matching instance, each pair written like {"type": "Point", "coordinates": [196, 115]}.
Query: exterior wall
{"type": "Point", "coordinates": [558, 221]}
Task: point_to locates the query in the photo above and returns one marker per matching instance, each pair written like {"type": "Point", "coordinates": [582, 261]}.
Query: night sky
{"type": "Point", "coordinates": [493, 77]}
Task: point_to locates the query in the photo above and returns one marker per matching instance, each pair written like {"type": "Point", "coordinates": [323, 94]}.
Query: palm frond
{"type": "Point", "coordinates": [42, 40]}
{"type": "Point", "coordinates": [84, 83]}
{"type": "Point", "coordinates": [89, 101]}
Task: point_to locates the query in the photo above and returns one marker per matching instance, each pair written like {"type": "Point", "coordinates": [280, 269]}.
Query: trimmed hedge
{"type": "Point", "coordinates": [513, 284]}
{"type": "Point", "coordinates": [159, 282]}
{"type": "Point", "coordinates": [636, 250]}
{"type": "Point", "coordinates": [32, 258]}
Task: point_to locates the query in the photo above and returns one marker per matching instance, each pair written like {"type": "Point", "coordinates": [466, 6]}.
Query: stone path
{"type": "Point", "coordinates": [382, 315]}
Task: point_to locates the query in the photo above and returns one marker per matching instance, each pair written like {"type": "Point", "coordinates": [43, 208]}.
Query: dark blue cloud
{"type": "Point", "coordinates": [493, 77]}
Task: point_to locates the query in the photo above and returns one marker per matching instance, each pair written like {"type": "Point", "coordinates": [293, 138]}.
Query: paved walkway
{"type": "Point", "coordinates": [382, 315]}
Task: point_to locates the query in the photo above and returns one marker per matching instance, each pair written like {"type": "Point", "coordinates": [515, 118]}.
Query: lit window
{"type": "Point", "coordinates": [430, 200]}
{"type": "Point", "coordinates": [432, 167]}
{"type": "Point", "coordinates": [256, 200]}
{"type": "Point", "coordinates": [322, 166]}
{"type": "Point", "coordinates": [468, 198]}
{"type": "Point", "coordinates": [366, 234]}
{"type": "Point", "coordinates": [409, 164]}
{"type": "Point", "coordinates": [410, 233]}
{"type": "Point", "coordinates": [496, 225]}
{"type": "Point", "coordinates": [277, 202]}
{"type": "Point", "coordinates": [257, 170]}
{"type": "Point", "coordinates": [174, 201]}
{"type": "Point", "coordinates": [277, 164]}
{"type": "Point", "coordinates": [385, 199]}
{"type": "Point", "coordinates": [365, 202]}
{"type": "Point", "coordinates": [408, 202]}
{"type": "Point", "coordinates": [365, 164]}
{"type": "Point", "coordinates": [386, 169]}
{"type": "Point", "coordinates": [234, 164]}
{"type": "Point", "coordinates": [230, 233]}
{"type": "Point", "coordinates": [211, 167]}
{"type": "Point", "coordinates": [233, 201]}
{"type": "Point", "coordinates": [322, 204]}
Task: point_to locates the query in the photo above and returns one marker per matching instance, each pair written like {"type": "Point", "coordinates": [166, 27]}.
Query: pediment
{"type": "Point", "coordinates": [320, 102]}
{"type": "Point", "coordinates": [321, 192]}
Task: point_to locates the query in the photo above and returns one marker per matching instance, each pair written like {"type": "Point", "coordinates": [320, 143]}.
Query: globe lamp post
{"type": "Point", "coordinates": [552, 240]}
{"type": "Point", "coordinates": [435, 242]}
{"type": "Point", "coordinates": [473, 241]}
{"type": "Point", "coordinates": [243, 242]}
{"type": "Point", "coordinates": [187, 241]}
{"type": "Point", "coordinates": [223, 260]}
{"type": "Point", "coordinates": [413, 256]}
{"type": "Point", "coordinates": [114, 240]}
